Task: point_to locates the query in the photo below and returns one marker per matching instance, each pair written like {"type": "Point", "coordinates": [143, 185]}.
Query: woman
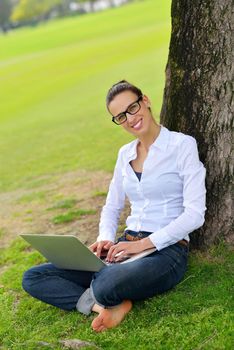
{"type": "Point", "coordinates": [164, 180]}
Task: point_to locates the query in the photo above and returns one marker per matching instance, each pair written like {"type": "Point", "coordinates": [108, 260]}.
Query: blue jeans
{"type": "Point", "coordinates": [80, 290]}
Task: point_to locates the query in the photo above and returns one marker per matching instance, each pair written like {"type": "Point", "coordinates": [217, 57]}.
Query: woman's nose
{"type": "Point", "coordinates": [130, 116]}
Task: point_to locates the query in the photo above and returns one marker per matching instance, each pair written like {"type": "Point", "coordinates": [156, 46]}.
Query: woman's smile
{"type": "Point", "coordinates": [137, 125]}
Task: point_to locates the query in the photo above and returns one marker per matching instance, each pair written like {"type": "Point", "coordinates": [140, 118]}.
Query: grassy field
{"type": "Point", "coordinates": [53, 126]}
{"type": "Point", "coordinates": [195, 315]}
{"type": "Point", "coordinates": [53, 83]}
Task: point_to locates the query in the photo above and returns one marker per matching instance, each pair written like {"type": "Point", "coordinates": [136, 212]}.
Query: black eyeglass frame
{"type": "Point", "coordinates": [125, 112]}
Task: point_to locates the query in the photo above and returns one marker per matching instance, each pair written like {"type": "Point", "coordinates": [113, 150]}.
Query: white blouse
{"type": "Point", "coordinates": [169, 200]}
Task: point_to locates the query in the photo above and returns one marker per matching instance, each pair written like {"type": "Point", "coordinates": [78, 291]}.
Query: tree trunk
{"type": "Point", "coordinates": [198, 101]}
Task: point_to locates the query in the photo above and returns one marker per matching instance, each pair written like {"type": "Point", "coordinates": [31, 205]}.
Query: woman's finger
{"type": "Point", "coordinates": [108, 245]}
{"type": "Point", "coordinates": [114, 250]}
{"type": "Point", "coordinates": [110, 253]}
{"type": "Point", "coordinates": [99, 248]}
{"type": "Point", "coordinates": [122, 255]}
{"type": "Point", "coordinates": [93, 246]}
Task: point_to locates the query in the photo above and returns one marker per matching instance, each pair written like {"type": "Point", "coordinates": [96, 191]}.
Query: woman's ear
{"type": "Point", "coordinates": [146, 100]}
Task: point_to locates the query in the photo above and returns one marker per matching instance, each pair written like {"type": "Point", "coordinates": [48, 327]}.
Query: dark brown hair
{"type": "Point", "coordinates": [121, 86]}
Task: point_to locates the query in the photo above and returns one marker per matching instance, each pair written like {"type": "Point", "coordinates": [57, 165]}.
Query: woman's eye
{"type": "Point", "coordinates": [133, 108]}
{"type": "Point", "coordinates": [121, 117]}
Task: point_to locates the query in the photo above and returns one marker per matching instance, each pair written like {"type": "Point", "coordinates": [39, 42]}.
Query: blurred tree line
{"type": "Point", "coordinates": [15, 13]}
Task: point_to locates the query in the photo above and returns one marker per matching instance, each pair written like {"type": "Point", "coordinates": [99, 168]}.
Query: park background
{"type": "Point", "coordinates": [58, 148]}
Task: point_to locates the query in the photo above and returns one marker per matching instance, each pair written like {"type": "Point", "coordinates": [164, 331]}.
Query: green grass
{"type": "Point", "coordinates": [197, 314]}
{"type": "Point", "coordinates": [100, 194]}
{"type": "Point", "coordinates": [66, 203]}
{"type": "Point", "coordinates": [53, 82]}
{"type": "Point", "coordinates": [71, 216]}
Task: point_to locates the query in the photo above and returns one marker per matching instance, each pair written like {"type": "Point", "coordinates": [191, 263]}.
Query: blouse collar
{"type": "Point", "coordinates": [161, 142]}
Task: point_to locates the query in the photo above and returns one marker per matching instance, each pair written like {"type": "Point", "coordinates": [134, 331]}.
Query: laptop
{"type": "Point", "coordinates": [68, 252]}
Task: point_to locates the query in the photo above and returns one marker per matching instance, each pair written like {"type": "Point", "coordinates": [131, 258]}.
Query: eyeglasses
{"type": "Point", "coordinates": [133, 108]}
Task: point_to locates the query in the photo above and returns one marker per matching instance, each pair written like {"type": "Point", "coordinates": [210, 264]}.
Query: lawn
{"type": "Point", "coordinates": [195, 315]}
{"type": "Point", "coordinates": [53, 83]}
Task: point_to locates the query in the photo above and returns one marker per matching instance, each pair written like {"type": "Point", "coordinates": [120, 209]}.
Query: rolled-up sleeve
{"type": "Point", "coordinates": [114, 204]}
{"type": "Point", "coordinates": [193, 173]}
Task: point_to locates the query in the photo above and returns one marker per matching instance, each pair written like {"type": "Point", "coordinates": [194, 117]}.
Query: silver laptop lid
{"type": "Point", "coordinates": [65, 252]}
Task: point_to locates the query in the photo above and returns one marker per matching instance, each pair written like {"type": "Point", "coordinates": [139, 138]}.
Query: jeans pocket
{"type": "Point", "coordinates": [177, 252]}
{"type": "Point", "coordinates": [181, 248]}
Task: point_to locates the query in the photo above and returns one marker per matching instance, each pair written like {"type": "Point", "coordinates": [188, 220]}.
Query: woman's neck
{"type": "Point", "coordinates": [148, 139]}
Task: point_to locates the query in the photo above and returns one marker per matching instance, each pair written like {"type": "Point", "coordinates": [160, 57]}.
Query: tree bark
{"type": "Point", "coordinates": [198, 100]}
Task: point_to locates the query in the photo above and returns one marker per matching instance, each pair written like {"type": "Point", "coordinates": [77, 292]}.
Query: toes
{"type": "Point", "coordinates": [97, 323]}
{"type": "Point", "coordinates": [100, 329]}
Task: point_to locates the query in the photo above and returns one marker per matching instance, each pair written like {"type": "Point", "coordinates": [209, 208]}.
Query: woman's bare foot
{"type": "Point", "coordinates": [109, 318]}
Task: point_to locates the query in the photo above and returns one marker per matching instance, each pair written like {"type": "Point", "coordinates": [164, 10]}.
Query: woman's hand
{"type": "Point", "coordinates": [98, 247]}
{"type": "Point", "coordinates": [128, 248]}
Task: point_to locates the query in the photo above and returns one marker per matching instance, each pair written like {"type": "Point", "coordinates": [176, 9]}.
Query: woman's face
{"type": "Point", "coordinates": [137, 124]}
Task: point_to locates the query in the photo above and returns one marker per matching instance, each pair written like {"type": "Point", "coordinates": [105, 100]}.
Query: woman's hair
{"type": "Point", "coordinates": [121, 86]}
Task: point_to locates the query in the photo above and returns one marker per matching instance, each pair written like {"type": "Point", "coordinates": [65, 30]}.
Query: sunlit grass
{"type": "Point", "coordinates": [53, 82]}
{"type": "Point", "coordinates": [72, 215]}
{"type": "Point", "coordinates": [197, 314]}
{"type": "Point", "coordinates": [67, 203]}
